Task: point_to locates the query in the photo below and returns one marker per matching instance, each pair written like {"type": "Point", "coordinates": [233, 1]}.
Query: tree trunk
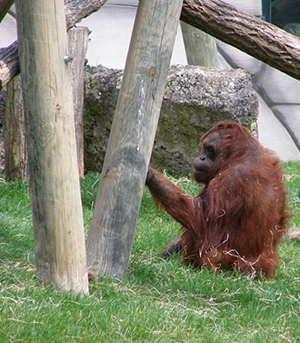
{"type": "Point", "coordinates": [75, 11]}
{"type": "Point", "coordinates": [54, 180]}
{"type": "Point", "coordinates": [200, 48]}
{"type": "Point", "coordinates": [132, 135]}
{"type": "Point", "coordinates": [250, 34]}
{"type": "Point", "coordinates": [78, 42]}
{"type": "Point", "coordinates": [16, 165]}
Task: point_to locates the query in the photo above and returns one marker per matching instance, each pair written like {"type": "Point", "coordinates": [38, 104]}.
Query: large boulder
{"type": "Point", "coordinates": [194, 99]}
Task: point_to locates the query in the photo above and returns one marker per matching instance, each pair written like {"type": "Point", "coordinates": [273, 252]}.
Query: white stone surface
{"type": "Point", "coordinates": [249, 6]}
{"type": "Point", "coordinates": [291, 115]}
{"type": "Point", "coordinates": [239, 59]}
{"type": "Point", "coordinates": [273, 135]}
{"type": "Point", "coordinates": [8, 31]}
{"type": "Point", "coordinates": [277, 87]}
{"type": "Point", "coordinates": [111, 30]}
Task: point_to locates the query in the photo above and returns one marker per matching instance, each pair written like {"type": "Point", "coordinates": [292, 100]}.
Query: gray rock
{"type": "Point", "coordinates": [195, 98]}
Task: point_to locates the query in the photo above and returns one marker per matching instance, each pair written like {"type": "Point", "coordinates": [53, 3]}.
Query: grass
{"type": "Point", "coordinates": [158, 300]}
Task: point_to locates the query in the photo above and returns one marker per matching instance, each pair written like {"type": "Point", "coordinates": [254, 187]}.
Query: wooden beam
{"type": "Point", "coordinates": [132, 135]}
{"type": "Point", "coordinates": [200, 48]}
{"type": "Point", "coordinates": [54, 180]}
{"type": "Point", "coordinates": [75, 11]}
{"type": "Point", "coordinates": [16, 165]}
{"type": "Point", "coordinates": [78, 38]}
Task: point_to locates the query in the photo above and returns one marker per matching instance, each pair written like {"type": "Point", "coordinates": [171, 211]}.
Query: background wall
{"type": "Point", "coordinates": [279, 94]}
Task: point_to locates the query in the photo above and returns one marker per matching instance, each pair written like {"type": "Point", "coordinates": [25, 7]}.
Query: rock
{"type": "Point", "coordinates": [194, 99]}
{"type": "Point", "coordinates": [101, 94]}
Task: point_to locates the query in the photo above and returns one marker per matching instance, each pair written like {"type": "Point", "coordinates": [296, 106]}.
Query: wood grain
{"type": "Point", "coordinates": [132, 135]}
{"type": "Point", "coordinates": [54, 180]}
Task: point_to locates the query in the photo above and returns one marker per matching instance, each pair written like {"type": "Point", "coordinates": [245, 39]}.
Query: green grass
{"type": "Point", "coordinates": [158, 300]}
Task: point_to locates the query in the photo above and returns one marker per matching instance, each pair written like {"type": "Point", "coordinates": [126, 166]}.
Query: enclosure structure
{"type": "Point", "coordinates": [132, 135]}
{"type": "Point", "coordinates": [55, 199]}
{"type": "Point", "coordinates": [54, 179]}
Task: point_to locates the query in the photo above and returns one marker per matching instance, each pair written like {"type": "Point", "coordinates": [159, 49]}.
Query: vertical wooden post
{"type": "Point", "coordinates": [78, 44]}
{"type": "Point", "coordinates": [201, 49]}
{"type": "Point", "coordinates": [16, 165]}
{"type": "Point", "coordinates": [49, 120]}
{"type": "Point", "coordinates": [132, 135]}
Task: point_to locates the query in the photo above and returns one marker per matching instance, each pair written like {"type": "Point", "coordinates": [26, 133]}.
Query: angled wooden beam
{"type": "Point", "coordinates": [132, 135]}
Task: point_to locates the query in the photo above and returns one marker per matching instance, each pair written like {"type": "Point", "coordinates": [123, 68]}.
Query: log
{"type": "Point", "coordinates": [132, 135]}
{"type": "Point", "coordinates": [260, 39]}
{"type": "Point", "coordinates": [75, 11]}
{"type": "Point", "coordinates": [78, 42]}
{"type": "Point", "coordinates": [57, 217]}
{"type": "Point", "coordinates": [16, 159]}
{"type": "Point", "coordinates": [9, 64]}
{"type": "Point", "coordinates": [200, 48]}
{"type": "Point", "coordinates": [16, 165]}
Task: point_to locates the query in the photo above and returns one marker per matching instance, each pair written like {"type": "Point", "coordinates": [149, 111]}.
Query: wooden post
{"type": "Point", "coordinates": [49, 120]}
{"type": "Point", "coordinates": [16, 165]}
{"type": "Point", "coordinates": [201, 49]}
{"type": "Point", "coordinates": [132, 135]}
{"type": "Point", "coordinates": [78, 43]}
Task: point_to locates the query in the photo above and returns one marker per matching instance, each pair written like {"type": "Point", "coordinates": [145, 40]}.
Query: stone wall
{"type": "Point", "coordinates": [194, 99]}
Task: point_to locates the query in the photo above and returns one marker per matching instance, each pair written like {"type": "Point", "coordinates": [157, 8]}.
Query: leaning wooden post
{"type": "Point", "coordinates": [201, 48]}
{"type": "Point", "coordinates": [132, 135]}
{"type": "Point", "coordinates": [54, 180]}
